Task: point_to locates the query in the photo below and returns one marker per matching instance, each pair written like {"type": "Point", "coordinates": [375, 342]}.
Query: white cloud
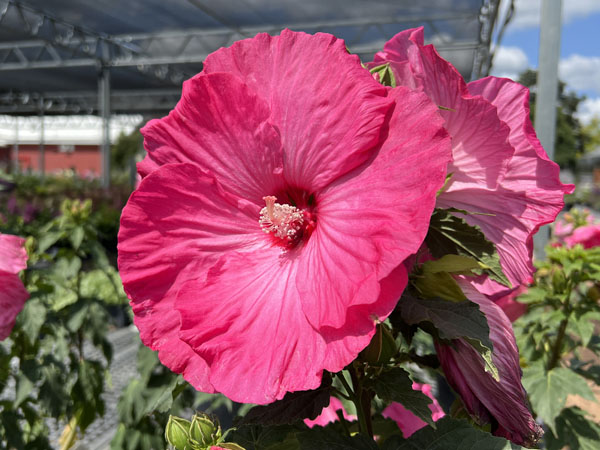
{"type": "Point", "coordinates": [588, 108]}
{"type": "Point", "coordinates": [509, 62]}
{"type": "Point", "coordinates": [581, 72]}
{"type": "Point", "coordinates": [527, 12]}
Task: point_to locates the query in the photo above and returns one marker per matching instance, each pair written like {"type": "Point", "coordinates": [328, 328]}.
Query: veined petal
{"type": "Point", "coordinates": [362, 235]}
{"type": "Point", "coordinates": [12, 299]}
{"type": "Point", "coordinates": [178, 221]}
{"type": "Point", "coordinates": [479, 139]}
{"type": "Point", "coordinates": [246, 321]}
{"type": "Point", "coordinates": [328, 109]}
{"type": "Point", "coordinates": [222, 126]}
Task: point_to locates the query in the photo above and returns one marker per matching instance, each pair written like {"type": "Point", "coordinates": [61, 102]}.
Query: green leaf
{"type": "Point", "coordinates": [395, 385]}
{"type": "Point", "coordinates": [453, 264]}
{"type": "Point", "coordinates": [49, 239]}
{"type": "Point", "coordinates": [452, 321]}
{"type": "Point", "coordinates": [449, 234]}
{"type": "Point", "coordinates": [439, 284]}
{"type": "Point", "coordinates": [76, 237]}
{"type": "Point", "coordinates": [256, 437]}
{"type": "Point", "coordinates": [451, 434]}
{"type": "Point", "coordinates": [319, 438]}
{"type": "Point", "coordinates": [548, 390]}
{"type": "Point", "coordinates": [294, 407]}
{"type": "Point", "coordinates": [575, 431]}
{"type": "Point", "coordinates": [77, 315]}
{"type": "Point", "coordinates": [32, 318]}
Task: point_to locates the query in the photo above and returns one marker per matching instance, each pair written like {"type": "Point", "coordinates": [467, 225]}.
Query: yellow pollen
{"type": "Point", "coordinates": [282, 221]}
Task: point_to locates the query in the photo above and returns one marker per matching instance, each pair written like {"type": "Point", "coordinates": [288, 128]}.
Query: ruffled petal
{"type": "Point", "coordinates": [479, 139]}
{"type": "Point", "coordinates": [588, 236]}
{"type": "Point", "coordinates": [529, 196]}
{"type": "Point", "coordinates": [244, 318]}
{"type": "Point", "coordinates": [178, 221]}
{"type": "Point", "coordinates": [328, 109]}
{"type": "Point", "coordinates": [13, 256]}
{"type": "Point", "coordinates": [503, 402]}
{"type": "Point", "coordinates": [370, 220]}
{"type": "Point", "coordinates": [12, 299]}
{"type": "Point", "coordinates": [222, 126]}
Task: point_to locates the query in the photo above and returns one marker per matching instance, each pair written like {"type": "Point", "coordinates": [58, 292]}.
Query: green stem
{"type": "Point", "coordinates": [363, 404]}
{"type": "Point", "coordinates": [562, 331]}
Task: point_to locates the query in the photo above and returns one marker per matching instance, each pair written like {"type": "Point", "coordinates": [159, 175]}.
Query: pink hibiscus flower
{"type": "Point", "coordinates": [502, 403]}
{"type": "Point", "coordinates": [13, 259]}
{"type": "Point", "coordinates": [278, 202]}
{"type": "Point", "coordinates": [329, 414]}
{"type": "Point", "coordinates": [406, 420]}
{"type": "Point", "coordinates": [499, 166]}
{"type": "Point", "coordinates": [588, 236]}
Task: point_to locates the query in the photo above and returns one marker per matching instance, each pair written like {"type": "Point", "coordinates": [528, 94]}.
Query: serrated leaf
{"type": "Point", "coordinates": [548, 390]}
{"type": "Point", "coordinates": [449, 234]}
{"type": "Point", "coordinates": [439, 284]}
{"type": "Point", "coordinates": [395, 385]}
{"type": "Point", "coordinates": [451, 434]}
{"type": "Point", "coordinates": [319, 438]}
{"type": "Point", "coordinates": [452, 320]}
{"type": "Point", "coordinates": [295, 406]}
{"type": "Point", "coordinates": [452, 264]}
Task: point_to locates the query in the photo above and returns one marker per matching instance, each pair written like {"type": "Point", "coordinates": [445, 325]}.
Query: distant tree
{"type": "Point", "coordinates": [570, 137]}
{"type": "Point", "coordinates": [125, 148]}
{"type": "Point", "coordinates": [591, 133]}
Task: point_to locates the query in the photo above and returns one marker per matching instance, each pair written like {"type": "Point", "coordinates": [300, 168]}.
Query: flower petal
{"type": "Point", "coordinates": [13, 256]}
{"type": "Point", "coordinates": [485, 398]}
{"type": "Point", "coordinates": [12, 299]}
{"type": "Point", "coordinates": [223, 127]}
{"type": "Point", "coordinates": [479, 139]}
{"type": "Point", "coordinates": [245, 320]}
{"type": "Point", "coordinates": [362, 235]}
{"type": "Point", "coordinates": [179, 219]}
{"type": "Point", "coordinates": [328, 109]}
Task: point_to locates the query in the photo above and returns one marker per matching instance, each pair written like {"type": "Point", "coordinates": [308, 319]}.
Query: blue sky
{"type": "Point", "coordinates": [580, 48]}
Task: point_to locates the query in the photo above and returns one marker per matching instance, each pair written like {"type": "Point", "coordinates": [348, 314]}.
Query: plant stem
{"type": "Point", "coordinates": [562, 331]}
{"type": "Point", "coordinates": [362, 400]}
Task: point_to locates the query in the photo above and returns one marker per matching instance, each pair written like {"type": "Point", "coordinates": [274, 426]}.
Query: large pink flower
{"type": "Point", "coordinates": [502, 403]}
{"type": "Point", "coordinates": [279, 200]}
{"type": "Point", "coordinates": [13, 259]}
{"type": "Point", "coordinates": [406, 420]}
{"type": "Point", "coordinates": [499, 166]}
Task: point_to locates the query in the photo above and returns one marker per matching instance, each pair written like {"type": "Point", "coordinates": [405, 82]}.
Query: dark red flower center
{"type": "Point", "coordinates": [286, 224]}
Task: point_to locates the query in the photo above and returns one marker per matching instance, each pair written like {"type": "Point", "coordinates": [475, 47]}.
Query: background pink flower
{"type": "Point", "coordinates": [588, 236]}
{"type": "Point", "coordinates": [329, 414]}
{"type": "Point", "coordinates": [406, 420]}
{"type": "Point", "coordinates": [277, 205]}
{"type": "Point", "coordinates": [499, 167]}
{"type": "Point", "coordinates": [13, 259]}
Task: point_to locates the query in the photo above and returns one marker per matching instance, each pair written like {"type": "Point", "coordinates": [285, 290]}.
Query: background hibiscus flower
{"type": "Point", "coordinates": [13, 259]}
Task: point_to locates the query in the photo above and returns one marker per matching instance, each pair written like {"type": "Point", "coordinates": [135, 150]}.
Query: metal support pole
{"type": "Point", "coordinates": [15, 155]}
{"type": "Point", "coordinates": [42, 144]}
{"type": "Point", "coordinates": [104, 109]}
{"type": "Point", "coordinates": [547, 91]}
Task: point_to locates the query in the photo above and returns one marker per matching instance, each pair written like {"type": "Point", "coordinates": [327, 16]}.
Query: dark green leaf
{"type": "Point", "coordinates": [395, 385]}
{"type": "Point", "coordinates": [49, 239]}
{"type": "Point", "coordinates": [449, 234]}
{"type": "Point", "coordinates": [451, 434]}
{"type": "Point", "coordinates": [295, 406]}
{"type": "Point", "coordinates": [319, 438]}
{"type": "Point", "coordinates": [256, 437]}
{"type": "Point", "coordinates": [452, 321]}
{"type": "Point", "coordinates": [548, 390]}
{"type": "Point", "coordinates": [575, 431]}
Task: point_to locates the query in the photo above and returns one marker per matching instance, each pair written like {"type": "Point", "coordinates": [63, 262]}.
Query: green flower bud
{"type": "Point", "coordinates": [204, 431]}
{"type": "Point", "coordinates": [177, 432]}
